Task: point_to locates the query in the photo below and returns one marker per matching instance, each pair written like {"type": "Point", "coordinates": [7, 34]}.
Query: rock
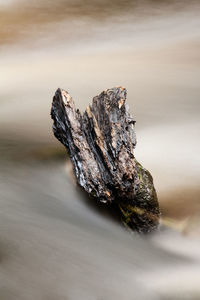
{"type": "Point", "coordinates": [101, 146]}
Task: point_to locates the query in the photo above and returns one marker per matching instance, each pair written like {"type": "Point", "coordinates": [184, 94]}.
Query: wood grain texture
{"type": "Point", "coordinates": [101, 144]}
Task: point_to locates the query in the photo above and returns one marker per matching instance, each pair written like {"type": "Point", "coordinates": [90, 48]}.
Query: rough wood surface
{"type": "Point", "coordinates": [101, 146]}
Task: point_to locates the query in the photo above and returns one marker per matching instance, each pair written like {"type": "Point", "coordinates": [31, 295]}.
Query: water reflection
{"type": "Point", "coordinates": [53, 245]}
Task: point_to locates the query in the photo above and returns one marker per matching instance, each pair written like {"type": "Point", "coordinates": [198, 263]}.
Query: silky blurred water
{"type": "Point", "coordinates": [53, 243]}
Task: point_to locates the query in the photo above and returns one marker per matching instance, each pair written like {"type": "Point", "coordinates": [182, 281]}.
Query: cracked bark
{"type": "Point", "coordinates": [101, 144]}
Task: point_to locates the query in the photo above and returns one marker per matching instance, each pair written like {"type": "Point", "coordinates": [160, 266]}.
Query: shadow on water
{"type": "Point", "coordinates": [53, 231]}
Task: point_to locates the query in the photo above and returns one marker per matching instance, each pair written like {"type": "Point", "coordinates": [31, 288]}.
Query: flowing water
{"type": "Point", "coordinates": [53, 243]}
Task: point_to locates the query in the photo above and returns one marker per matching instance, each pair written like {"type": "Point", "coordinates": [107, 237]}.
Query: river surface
{"type": "Point", "coordinates": [55, 245]}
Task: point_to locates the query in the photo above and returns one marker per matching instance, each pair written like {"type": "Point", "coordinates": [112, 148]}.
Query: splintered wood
{"type": "Point", "coordinates": [101, 144]}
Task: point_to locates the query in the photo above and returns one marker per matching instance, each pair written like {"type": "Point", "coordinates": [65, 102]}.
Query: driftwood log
{"type": "Point", "coordinates": [101, 144]}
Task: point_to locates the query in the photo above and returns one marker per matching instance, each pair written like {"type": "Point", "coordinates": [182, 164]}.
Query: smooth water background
{"type": "Point", "coordinates": [53, 244]}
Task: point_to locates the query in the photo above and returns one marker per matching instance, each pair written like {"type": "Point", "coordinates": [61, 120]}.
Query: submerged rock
{"type": "Point", "coordinates": [100, 144]}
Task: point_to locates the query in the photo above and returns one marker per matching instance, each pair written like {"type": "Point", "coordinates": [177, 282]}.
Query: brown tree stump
{"type": "Point", "coordinates": [101, 146]}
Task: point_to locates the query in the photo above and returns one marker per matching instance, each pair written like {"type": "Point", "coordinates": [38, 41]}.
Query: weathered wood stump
{"type": "Point", "coordinates": [100, 144]}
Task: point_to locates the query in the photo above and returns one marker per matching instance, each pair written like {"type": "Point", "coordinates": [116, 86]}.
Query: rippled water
{"type": "Point", "coordinates": [53, 243]}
